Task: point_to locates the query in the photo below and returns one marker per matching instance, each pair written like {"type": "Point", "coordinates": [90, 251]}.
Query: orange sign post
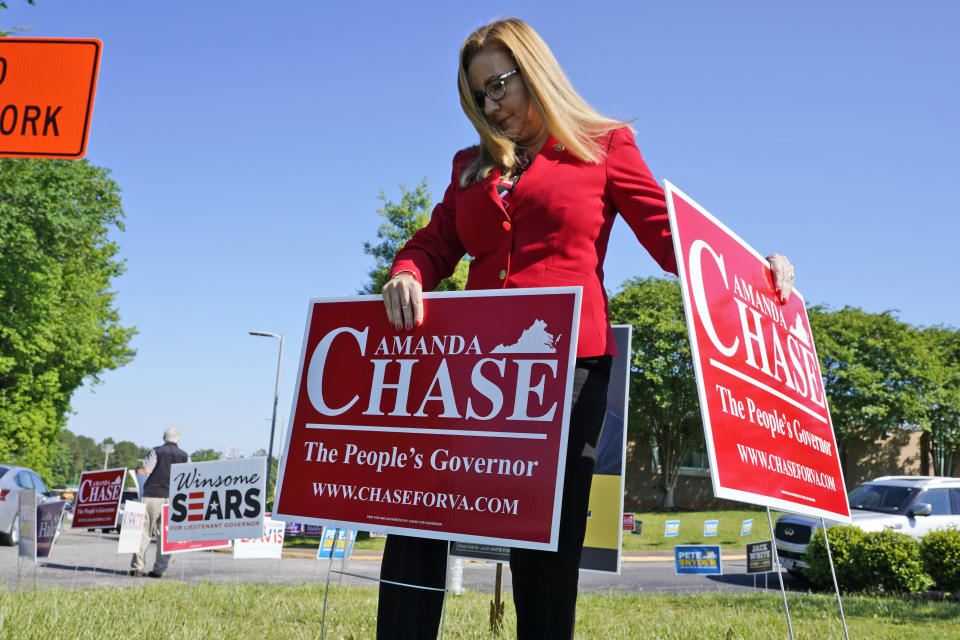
{"type": "Point", "coordinates": [46, 96]}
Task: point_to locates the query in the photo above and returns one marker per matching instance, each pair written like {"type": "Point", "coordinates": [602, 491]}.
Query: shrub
{"type": "Point", "coordinates": [940, 552]}
{"type": "Point", "coordinates": [846, 545]}
{"type": "Point", "coordinates": [875, 561]}
{"type": "Point", "coordinates": [895, 561]}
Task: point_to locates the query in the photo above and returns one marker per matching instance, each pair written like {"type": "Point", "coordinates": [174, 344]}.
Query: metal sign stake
{"type": "Point", "coordinates": [384, 581]}
{"type": "Point", "coordinates": [776, 557]}
{"type": "Point", "coordinates": [326, 590]}
{"type": "Point", "coordinates": [443, 608]}
{"type": "Point", "coordinates": [833, 571]}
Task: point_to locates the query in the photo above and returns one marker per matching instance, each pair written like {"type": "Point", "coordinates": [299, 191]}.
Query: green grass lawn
{"type": "Point", "coordinates": [173, 610]}
{"type": "Point", "coordinates": [691, 529]}
{"type": "Point", "coordinates": [652, 538]}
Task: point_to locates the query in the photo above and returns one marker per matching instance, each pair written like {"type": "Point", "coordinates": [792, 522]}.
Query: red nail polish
{"type": "Point", "coordinates": [419, 322]}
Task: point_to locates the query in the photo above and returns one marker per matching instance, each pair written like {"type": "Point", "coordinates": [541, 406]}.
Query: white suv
{"type": "Point", "coordinates": [914, 505]}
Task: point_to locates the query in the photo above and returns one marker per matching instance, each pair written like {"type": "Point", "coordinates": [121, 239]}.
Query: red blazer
{"type": "Point", "coordinates": [561, 213]}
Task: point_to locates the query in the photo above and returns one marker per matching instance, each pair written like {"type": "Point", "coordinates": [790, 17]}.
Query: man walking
{"type": "Point", "coordinates": [156, 490]}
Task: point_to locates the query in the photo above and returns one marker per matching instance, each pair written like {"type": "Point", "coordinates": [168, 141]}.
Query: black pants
{"type": "Point", "coordinates": [544, 582]}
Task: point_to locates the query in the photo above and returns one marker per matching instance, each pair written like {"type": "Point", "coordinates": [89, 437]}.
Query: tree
{"type": "Point", "coordinates": [400, 222]}
{"type": "Point", "coordinates": [272, 480]}
{"type": "Point", "coordinates": [58, 324]}
{"type": "Point", "coordinates": [73, 454]}
{"type": "Point", "coordinates": [62, 466]}
{"type": "Point", "coordinates": [663, 393]}
{"type": "Point", "coordinates": [202, 455]}
{"type": "Point", "coordinates": [943, 398]}
{"type": "Point", "coordinates": [876, 372]}
{"type": "Point", "coordinates": [127, 454]}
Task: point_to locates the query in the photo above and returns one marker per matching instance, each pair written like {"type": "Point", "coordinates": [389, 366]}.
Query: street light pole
{"type": "Point", "coordinates": [276, 399]}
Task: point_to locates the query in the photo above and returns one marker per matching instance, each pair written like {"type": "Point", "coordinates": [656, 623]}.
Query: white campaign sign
{"type": "Point", "coordinates": [131, 529]}
{"type": "Point", "coordinates": [269, 546]}
{"type": "Point", "coordinates": [27, 501]}
{"type": "Point", "coordinates": [217, 500]}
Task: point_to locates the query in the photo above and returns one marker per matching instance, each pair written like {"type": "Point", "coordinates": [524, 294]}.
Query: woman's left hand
{"type": "Point", "coordinates": [783, 276]}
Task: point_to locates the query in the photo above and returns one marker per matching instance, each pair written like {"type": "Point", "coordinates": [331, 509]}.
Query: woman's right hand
{"type": "Point", "coordinates": [403, 298]}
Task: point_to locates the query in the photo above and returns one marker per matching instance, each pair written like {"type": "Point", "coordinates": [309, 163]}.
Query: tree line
{"type": "Point", "coordinates": [74, 454]}
{"type": "Point", "coordinates": [880, 373]}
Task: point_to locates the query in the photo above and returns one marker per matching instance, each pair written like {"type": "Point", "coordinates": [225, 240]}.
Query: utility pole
{"type": "Point", "coordinates": [107, 449]}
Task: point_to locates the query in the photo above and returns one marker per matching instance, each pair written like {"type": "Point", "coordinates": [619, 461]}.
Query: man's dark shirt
{"type": "Point", "coordinates": [158, 482]}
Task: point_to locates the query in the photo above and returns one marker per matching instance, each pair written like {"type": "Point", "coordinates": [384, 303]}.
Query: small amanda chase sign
{"type": "Point", "coordinates": [98, 498]}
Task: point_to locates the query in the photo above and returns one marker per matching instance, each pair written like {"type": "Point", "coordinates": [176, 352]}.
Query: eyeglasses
{"type": "Point", "coordinates": [495, 89]}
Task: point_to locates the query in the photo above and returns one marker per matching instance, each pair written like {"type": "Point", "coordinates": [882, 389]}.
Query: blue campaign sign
{"type": "Point", "coordinates": [746, 527]}
{"type": "Point", "coordinates": [671, 528]}
{"type": "Point", "coordinates": [698, 559]}
{"type": "Point", "coordinates": [710, 527]}
{"type": "Point", "coordinates": [344, 546]}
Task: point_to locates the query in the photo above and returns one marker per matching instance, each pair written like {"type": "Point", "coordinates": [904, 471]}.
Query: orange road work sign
{"type": "Point", "coordinates": [46, 96]}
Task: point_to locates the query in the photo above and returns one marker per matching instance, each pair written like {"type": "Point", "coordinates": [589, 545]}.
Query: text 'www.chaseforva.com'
{"type": "Point", "coordinates": [412, 497]}
{"type": "Point", "coordinates": [776, 464]}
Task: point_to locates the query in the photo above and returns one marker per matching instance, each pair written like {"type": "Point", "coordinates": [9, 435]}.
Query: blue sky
{"type": "Point", "coordinates": [251, 140]}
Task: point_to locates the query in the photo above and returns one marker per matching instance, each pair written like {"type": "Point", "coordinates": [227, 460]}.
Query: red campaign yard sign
{"type": "Point", "coordinates": [456, 430]}
{"type": "Point", "coordinates": [168, 546]}
{"type": "Point", "coordinates": [768, 430]}
{"type": "Point", "coordinates": [98, 498]}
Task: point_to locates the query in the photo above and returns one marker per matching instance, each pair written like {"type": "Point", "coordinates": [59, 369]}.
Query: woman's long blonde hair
{"type": "Point", "coordinates": [566, 115]}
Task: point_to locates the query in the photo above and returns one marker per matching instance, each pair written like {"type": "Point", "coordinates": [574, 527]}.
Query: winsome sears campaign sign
{"type": "Point", "coordinates": [218, 499]}
{"type": "Point", "coordinates": [455, 430]}
{"type": "Point", "coordinates": [768, 431]}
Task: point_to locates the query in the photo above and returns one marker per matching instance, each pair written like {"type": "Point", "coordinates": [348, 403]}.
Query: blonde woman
{"type": "Point", "coordinates": [533, 204]}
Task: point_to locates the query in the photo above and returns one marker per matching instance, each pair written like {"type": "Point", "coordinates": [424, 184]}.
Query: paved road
{"type": "Point", "coordinates": [84, 559]}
